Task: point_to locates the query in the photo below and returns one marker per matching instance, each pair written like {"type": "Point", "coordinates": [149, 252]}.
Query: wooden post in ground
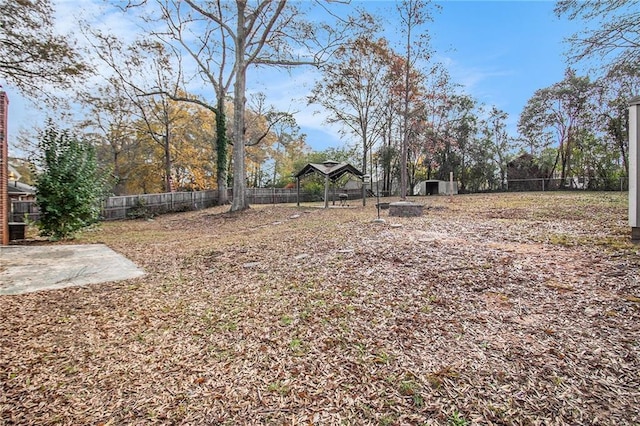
{"type": "Point", "coordinates": [634, 163]}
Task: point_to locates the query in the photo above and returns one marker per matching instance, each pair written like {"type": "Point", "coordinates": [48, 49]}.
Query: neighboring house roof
{"type": "Point", "coordinates": [332, 169]}
{"type": "Point", "coordinates": [13, 173]}
{"type": "Point", "coordinates": [19, 188]}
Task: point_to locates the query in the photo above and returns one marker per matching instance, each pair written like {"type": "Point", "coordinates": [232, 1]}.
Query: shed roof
{"type": "Point", "coordinates": [332, 169]}
{"type": "Point", "coordinates": [15, 187]}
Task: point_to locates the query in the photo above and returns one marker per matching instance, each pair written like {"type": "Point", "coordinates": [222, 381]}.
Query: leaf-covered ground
{"type": "Point", "coordinates": [516, 309]}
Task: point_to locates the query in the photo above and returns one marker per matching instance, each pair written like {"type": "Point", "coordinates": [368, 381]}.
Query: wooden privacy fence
{"type": "Point", "coordinates": [123, 207]}
{"type": "Point", "coordinates": [273, 195]}
{"type": "Point", "coordinates": [24, 211]}
{"type": "Point", "coordinates": [282, 195]}
{"type": "Point", "coordinates": [145, 205]}
{"type": "Point", "coordinates": [571, 183]}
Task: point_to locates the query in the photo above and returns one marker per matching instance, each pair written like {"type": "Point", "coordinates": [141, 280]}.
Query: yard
{"type": "Point", "coordinates": [514, 309]}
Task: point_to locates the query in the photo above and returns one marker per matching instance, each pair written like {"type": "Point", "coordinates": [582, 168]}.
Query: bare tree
{"type": "Point", "coordinates": [146, 77]}
{"type": "Point", "coordinates": [612, 30]}
{"type": "Point", "coordinates": [32, 56]}
{"type": "Point", "coordinates": [110, 123]}
{"type": "Point", "coordinates": [354, 90]}
{"type": "Point", "coordinates": [261, 33]}
{"type": "Point", "coordinates": [204, 42]}
{"type": "Point", "coordinates": [561, 111]}
{"type": "Point", "coordinates": [494, 129]}
{"type": "Point", "coordinates": [414, 14]}
{"type": "Point", "coordinates": [614, 90]}
{"type": "Point", "coordinates": [224, 38]}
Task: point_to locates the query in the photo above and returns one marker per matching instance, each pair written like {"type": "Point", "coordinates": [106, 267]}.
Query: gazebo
{"type": "Point", "coordinates": [332, 171]}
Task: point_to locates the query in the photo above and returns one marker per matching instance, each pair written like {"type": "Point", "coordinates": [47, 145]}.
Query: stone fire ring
{"type": "Point", "coordinates": [405, 209]}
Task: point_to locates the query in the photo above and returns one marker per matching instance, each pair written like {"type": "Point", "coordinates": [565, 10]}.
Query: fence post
{"type": "Point", "coordinates": [634, 160]}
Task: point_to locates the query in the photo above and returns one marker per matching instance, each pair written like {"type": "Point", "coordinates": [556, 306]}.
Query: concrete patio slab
{"type": "Point", "coordinates": [25, 269]}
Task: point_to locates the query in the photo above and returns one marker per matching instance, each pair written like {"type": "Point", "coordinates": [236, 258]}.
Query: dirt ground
{"type": "Point", "coordinates": [503, 309]}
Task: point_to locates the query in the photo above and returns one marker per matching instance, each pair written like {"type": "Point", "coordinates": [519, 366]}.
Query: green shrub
{"type": "Point", "coordinates": [315, 189]}
{"type": "Point", "coordinates": [69, 187]}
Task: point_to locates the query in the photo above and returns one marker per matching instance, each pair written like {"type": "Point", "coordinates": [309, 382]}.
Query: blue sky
{"type": "Point", "coordinates": [500, 51]}
{"type": "Point", "coordinates": [503, 50]}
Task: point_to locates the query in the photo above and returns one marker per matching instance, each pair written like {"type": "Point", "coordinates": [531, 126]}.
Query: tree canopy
{"type": "Point", "coordinates": [32, 56]}
{"type": "Point", "coordinates": [612, 30]}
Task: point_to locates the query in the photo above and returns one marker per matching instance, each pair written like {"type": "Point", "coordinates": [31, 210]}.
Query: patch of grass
{"type": "Point", "coordinates": [614, 243]}
{"type": "Point", "coordinates": [456, 419]}
{"type": "Point", "coordinates": [497, 295]}
{"type": "Point", "coordinates": [305, 314]}
{"type": "Point", "coordinates": [559, 286]}
{"type": "Point", "coordinates": [408, 387]}
{"type": "Point", "coordinates": [228, 325]}
{"type": "Point", "coordinates": [297, 347]}
{"type": "Point", "coordinates": [222, 355]}
{"type": "Point", "coordinates": [70, 369]}
{"type": "Point", "coordinates": [350, 293]}
{"type": "Point", "coordinates": [418, 400]}
{"type": "Point", "coordinates": [381, 358]}
{"type": "Point", "coordinates": [561, 240]}
{"type": "Point", "coordinates": [279, 388]}
{"type": "Point", "coordinates": [411, 389]}
{"type": "Point", "coordinates": [557, 380]}
{"type": "Point", "coordinates": [209, 317]}
{"type": "Point", "coordinates": [387, 420]}
{"type": "Point", "coordinates": [429, 301]}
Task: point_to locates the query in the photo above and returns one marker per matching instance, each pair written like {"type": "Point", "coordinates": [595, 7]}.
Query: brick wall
{"type": "Point", "coordinates": [4, 170]}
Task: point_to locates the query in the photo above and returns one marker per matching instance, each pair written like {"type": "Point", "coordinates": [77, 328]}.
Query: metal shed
{"type": "Point", "coordinates": [435, 187]}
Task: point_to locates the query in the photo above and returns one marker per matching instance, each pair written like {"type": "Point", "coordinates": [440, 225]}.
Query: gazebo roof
{"type": "Point", "coordinates": [332, 169]}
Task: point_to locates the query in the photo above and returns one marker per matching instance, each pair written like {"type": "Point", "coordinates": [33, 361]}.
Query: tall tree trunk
{"type": "Point", "coordinates": [167, 160]}
{"type": "Point", "coordinates": [404, 155]}
{"type": "Point", "coordinates": [463, 177]}
{"type": "Point", "coordinates": [365, 146]}
{"type": "Point", "coordinates": [239, 183]}
{"type": "Point", "coordinates": [405, 142]}
{"type": "Point", "coordinates": [617, 130]}
{"type": "Point", "coordinates": [221, 152]}
{"type": "Point", "coordinates": [566, 160]}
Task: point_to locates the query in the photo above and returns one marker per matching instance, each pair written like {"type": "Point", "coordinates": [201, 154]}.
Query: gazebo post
{"type": "Point", "coordinates": [298, 190]}
{"type": "Point", "coordinates": [333, 192]}
{"type": "Point", "coordinates": [326, 191]}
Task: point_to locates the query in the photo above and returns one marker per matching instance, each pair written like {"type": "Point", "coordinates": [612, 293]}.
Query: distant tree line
{"type": "Point", "coordinates": [402, 117]}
